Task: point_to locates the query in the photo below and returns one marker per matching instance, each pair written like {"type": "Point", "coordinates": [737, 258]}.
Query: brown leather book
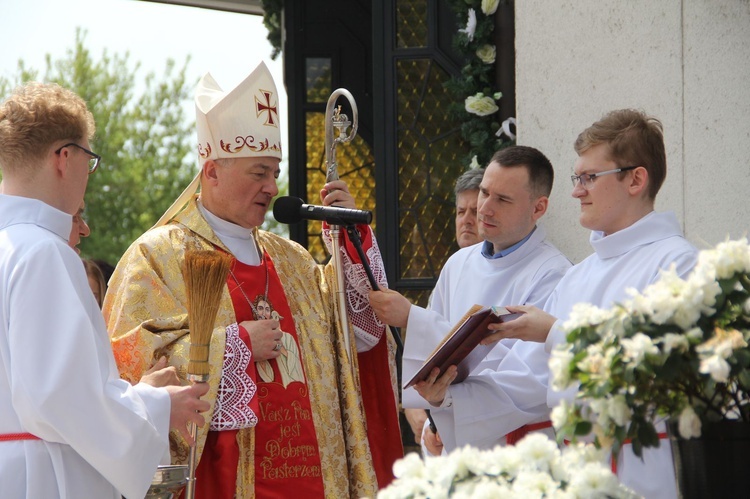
{"type": "Point", "coordinates": [461, 347]}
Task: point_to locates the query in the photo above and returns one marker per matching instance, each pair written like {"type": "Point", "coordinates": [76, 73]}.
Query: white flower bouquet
{"type": "Point", "coordinates": [676, 351]}
{"type": "Point", "coordinates": [533, 468]}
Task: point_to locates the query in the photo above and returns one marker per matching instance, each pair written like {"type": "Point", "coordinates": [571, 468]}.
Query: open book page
{"type": "Point", "coordinates": [461, 347]}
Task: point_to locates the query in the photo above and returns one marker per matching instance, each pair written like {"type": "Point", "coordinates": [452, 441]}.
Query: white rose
{"type": "Point", "coordinates": [537, 451]}
{"type": "Point", "coordinates": [593, 363]}
{"type": "Point", "coordinates": [480, 105]}
{"type": "Point", "coordinates": [594, 480]}
{"type": "Point", "coordinates": [503, 459]}
{"type": "Point", "coordinates": [484, 488]}
{"type": "Point", "coordinates": [487, 53]}
{"type": "Point", "coordinates": [585, 314]}
{"type": "Point", "coordinates": [490, 6]}
{"type": "Point", "coordinates": [695, 334]}
{"type": "Point", "coordinates": [618, 410]}
{"type": "Point", "coordinates": [689, 424]}
{"type": "Point", "coordinates": [672, 341]}
{"type": "Point", "coordinates": [600, 407]}
{"type": "Point", "coordinates": [559, 415]}
{"type": "Point", "coordinates": [533, 484]}
{"type": "Point", "coordinates": [731, 257]}
{"type": "Point", "coordinates": [474, 163]}
{"type": "Point", "coordinates": [717, 367]}
{"type": "Point", "coordinates": [409, 466]}
{"type": "Point", "coordinates": [637, 347]}
{"type": "Point", "coordinates": [559, 367]}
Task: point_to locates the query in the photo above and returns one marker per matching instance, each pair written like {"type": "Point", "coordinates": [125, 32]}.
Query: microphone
{"type": "Point", "coordinates": [291, 210]}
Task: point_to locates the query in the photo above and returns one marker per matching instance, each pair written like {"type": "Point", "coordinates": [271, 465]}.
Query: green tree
{"type": "Point", "coordinates": [144, 140]}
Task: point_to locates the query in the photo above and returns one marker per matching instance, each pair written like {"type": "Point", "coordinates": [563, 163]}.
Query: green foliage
{"type": "Point", "coordinates": [477, 77]}
{"type": "Point", "coordinates": [272, 22]}
{"type": "Point", "coordinates": [143, 138]}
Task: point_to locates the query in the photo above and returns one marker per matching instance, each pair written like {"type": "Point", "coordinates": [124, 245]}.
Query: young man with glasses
{"type": "Point", "coordinates": [620, 168]}
{"type": "Point", "coordinates": [69, 426]}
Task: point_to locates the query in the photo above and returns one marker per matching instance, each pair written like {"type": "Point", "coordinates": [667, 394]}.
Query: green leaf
{"type": "Point", "coordinates": [582, 428]}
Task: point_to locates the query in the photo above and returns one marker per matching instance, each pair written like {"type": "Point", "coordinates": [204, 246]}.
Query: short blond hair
{"type": "Point", "coordinates": [34, 117]}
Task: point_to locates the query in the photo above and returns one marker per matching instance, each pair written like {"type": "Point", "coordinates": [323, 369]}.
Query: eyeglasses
{"type": "Point", "coordinates": [93, 162]}
{"type": "Point", "coordinates": [587, 179]}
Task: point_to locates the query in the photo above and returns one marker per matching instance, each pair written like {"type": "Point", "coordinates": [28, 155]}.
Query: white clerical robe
{"type": "Point", "coordinates": [100, 436]}
{"type": "Point", "coordinates": [630, 258]}
{"type": "Point", "coordinates": [481, 415]}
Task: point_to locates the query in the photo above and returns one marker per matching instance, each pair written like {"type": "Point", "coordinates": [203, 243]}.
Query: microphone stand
{"type": "Point", "coordinates": [357, 241]}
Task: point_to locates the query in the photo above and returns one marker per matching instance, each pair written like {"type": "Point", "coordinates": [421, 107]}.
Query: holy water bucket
{"type": "Point", "coordinates": [168, 482]}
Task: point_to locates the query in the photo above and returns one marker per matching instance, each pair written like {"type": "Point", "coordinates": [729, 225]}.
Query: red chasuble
{"type": "Point", "coordinates": [383, 430]}
{"type": "Point", "coordinates": [287, 461]}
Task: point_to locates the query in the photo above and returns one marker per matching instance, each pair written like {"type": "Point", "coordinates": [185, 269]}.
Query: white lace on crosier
{"type": "Point", "coordinates": [236, 388]}
{"type": "Point", "coordinates": [366, 325]}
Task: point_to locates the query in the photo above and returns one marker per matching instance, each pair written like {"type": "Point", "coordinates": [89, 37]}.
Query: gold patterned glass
{"type": "Point", "coordinates": [318, 79]}
{"type": "Point", "coordinates": [411, 23]}
{"type": "Point", "coordinates": [356, 166]}
{"type": "Point", "coordinates": [429, 150]}
{"type": "Point", "coordinates": [418, 297]}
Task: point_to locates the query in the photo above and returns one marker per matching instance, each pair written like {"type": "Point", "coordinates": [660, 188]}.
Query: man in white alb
{"type": "Point", "coordinates": [467, 234]}
{"type": "Point", "coordinates": [515, 264]}
{"type": "Point", "coordinates": [69, 426]}
{"type": "Point", "coordinates": [620, 168]}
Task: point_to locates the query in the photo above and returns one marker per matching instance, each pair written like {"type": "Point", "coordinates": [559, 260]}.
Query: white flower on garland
{"type": "Point", "coordinates": [490, 6]}
{"type": "Point", "coordinates": [480, 104]}
{"type": "Point", "coordinates": [535, 467]}
{"type": "Point", "coordinates": [471, 25]}
{"type": "Point", "coordinates": [474, 163]}
{"type": "Point", "coordinates": [505, 128]}
{"type": "Point", "coordinates": [487, 53]}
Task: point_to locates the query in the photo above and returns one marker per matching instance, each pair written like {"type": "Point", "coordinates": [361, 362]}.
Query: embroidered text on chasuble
{"type": "Point", "coordinates": [286, 454]}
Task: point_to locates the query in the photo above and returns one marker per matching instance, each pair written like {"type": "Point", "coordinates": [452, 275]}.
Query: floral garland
{"type": "Point", "coordinates": [475, 90]}
{"type": "Point", "coordinates": [476, 86]}
{"type": "Point", "coordinates": [272, 22]}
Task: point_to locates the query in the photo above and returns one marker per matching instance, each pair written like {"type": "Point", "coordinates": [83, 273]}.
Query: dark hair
{"type": "Point", "coordinates": [469, 181]}
{"type": "Point", "coordinates": [93, 270]}
{"type": "Point", "coordinates": [634, 139]}
{"type": "Point", "coordinates": [106, 268]}
{"type": "Point", "coordinates": [539, 168]}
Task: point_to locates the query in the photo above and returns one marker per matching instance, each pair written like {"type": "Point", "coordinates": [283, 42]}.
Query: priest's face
{"type": "Point", "coordinates": [240, 190]}
{"type": "Point", "coordinates": [605, 203]}
{"type": "Point", "coordinates": [506, 208]}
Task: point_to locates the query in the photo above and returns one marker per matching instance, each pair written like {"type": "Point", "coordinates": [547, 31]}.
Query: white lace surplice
{"type": "Point", "coordinates": [236, 388]}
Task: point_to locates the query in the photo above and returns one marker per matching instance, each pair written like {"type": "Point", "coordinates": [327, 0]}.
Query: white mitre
{"type": "Point", "coordinates": [243, 122]}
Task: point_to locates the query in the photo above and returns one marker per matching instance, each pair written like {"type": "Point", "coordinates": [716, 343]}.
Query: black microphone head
{"type": "Point", "coordinates": [286, 210]}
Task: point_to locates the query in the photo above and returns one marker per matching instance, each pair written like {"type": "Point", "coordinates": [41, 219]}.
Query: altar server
{"type": "Point", "coordinates": [69, 426]}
